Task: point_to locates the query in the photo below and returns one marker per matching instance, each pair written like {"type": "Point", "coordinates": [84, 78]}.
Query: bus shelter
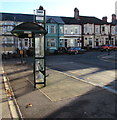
{"type": "Point", "coordinates": [37, 32]}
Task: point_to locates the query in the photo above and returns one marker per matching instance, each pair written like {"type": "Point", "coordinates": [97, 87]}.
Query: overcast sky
{"type": "Point", "coordinates": [97, 8]}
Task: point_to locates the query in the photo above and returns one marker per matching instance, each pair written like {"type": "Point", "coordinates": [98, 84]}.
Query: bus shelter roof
{"type": "Point", "coordinates": [28, 30]}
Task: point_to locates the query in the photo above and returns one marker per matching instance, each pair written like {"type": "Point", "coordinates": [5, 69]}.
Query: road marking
{"type": "Point", "coordinates": [40, 90]}
{"type": "Point", "coordinates": [105, 57]}
{"type": "Point", "coordinates": [13, 105]}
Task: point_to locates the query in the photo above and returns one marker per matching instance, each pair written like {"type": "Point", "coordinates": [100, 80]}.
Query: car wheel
{"type": "Point", "coordinates": [107, 49]}
{"type": "Point", "coordinates": [76, 53]}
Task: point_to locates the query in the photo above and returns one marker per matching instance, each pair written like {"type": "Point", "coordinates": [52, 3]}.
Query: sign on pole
{"type": "Point", "coordinates": [39, 16]}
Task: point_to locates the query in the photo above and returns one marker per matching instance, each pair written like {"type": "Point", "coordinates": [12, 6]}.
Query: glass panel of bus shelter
{"type": "Point", "coordinates": [39, 46]}
{"type": "Point", "coordinates": [39, 58]}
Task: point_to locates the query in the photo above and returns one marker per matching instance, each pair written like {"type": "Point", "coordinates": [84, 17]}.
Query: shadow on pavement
{"type": "Point", "coordinates": [94, 103]}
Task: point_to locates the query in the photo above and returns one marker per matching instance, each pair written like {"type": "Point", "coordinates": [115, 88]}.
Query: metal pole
{"type": "Point", "coordinates": [34, 61]}
{"type": "Point", "coordinates": [44, 52]}
{"type": "Point", "coordinates": [21, 53]}
{"type": "Point", "coordinates": [34, 16]}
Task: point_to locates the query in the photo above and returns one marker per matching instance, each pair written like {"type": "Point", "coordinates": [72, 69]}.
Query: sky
{"type": "Point", "coordinates": [97, 8]}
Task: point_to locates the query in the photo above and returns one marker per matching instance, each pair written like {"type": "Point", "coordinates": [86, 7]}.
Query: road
{"type": "Point", "coordinates": [89, 67]}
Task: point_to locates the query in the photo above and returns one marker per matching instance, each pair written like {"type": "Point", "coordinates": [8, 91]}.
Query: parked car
{"type": "Point", "coordinates": [62, 50]}
{"type": "Point", "coordinates": [52, 50]}
{"type": "Point", "coordinates": [80, 50]}
{"type": "Point", "coordinates": [75, 50]}
{"type": "Point", "coordinates": [108, 47]}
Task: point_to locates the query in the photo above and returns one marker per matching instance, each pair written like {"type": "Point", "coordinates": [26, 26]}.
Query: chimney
{"type": "Point", "coordinates": [76, 14]}
{"type": "Point", "coordinates": [104, 18]}
{"type": "Point", "coordinates": [113, 17]}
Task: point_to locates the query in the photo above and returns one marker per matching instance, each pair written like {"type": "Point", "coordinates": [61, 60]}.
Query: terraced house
{"type": "Point", "coordinates": [8, 22]}
{"type": "Point", "coordinates": [95, 32]}
{"type": "Point", "coordinates": [77, 31]}
{"type": "Point", "coordinates": [55, 29]}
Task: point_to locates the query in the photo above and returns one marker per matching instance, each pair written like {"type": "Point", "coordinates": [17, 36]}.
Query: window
{"type": "Point", "coordinates": [65, 30]}
{"type": "Point", "coordinates": [107, 41]}
{"type": "Point", "coordinates": [72, 31]}
{"type": "Point", "coordinates": [85, 29]}
{"type": "Point", "coordinates": [51, 43]}
{"type": "Point", "coordinates": [61, 43]}
{"type": "Point", "coordinates": [9, 28]}
{"type": "Point", "coordinates": [112, 41]}
{"type": "Point", "coordinates": [26, 42]}
{"type": "Point", "coordinates": [76, 30]}
{"type": "Point", "coordinates": [52, 29]}
{"type": "Point", "coordinates": [96, 30]}
{"type": "Point", "coordinates": [9, 40]}
{"type": "Point", "coordinates": [61, 29]}
{"type": "Point", "coordinates": [103, 29]}
{"type": "Point", "coordinates": [113, 30]}
{"type": "Point", "coordinates": [90, 41]}
{"type": "Point", "coordinates": [90, 29]}
{"type": "Point", "coordinates": [48, 43]}
{"type": "Point", "coordinates": [85, 38]}
{"type": "Point", "coordinates": [30, 42]}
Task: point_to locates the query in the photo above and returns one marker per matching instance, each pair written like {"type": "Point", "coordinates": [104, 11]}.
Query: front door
{"type": "Point", "coordinates": [66, 43]}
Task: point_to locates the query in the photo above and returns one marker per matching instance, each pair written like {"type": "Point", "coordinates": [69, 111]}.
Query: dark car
{"type": "Point", "coordinates": [62, 50]}
{"type": "Point", "coordinates": [75, 50]}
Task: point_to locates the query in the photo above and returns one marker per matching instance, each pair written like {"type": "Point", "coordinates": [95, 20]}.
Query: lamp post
{"type": "Point", "coordinates": [34, 16]}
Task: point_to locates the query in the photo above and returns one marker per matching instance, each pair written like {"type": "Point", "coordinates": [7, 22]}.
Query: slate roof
{"type": "Point", "coordinates": [114, 22]}
{"type": "Point", "coordinates": [28, 18]}
{"type": "Point", "coordinates": [92, 19]}
{"type": "Point", "coordinates": [83, 20]}
{"type": "Point", "coordinates": [70, 20]}
{"type": "Point", "coordinates": [16, 17]}
{"type": "Point", "coordinates": [52, 19]}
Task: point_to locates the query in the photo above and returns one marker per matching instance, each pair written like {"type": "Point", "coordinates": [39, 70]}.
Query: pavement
{"type": "Point", "coordinates": [63, 97]}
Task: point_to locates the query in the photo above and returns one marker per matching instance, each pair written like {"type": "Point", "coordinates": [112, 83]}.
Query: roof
{"type": "Point", "coordinates": [28, 18]}
{"type": "Point", "coordinates": [83, 20]}
{"type": "Point", "coordinates": [114, 22]}
{"type": "Point", "coordinates": [54, 19]}
{"type": "Point", "coordinates": [92, 19]}
{"type": "Point", "coordinates": [70, 20]}
{"type": "Point", "coordinates": [16, 17]}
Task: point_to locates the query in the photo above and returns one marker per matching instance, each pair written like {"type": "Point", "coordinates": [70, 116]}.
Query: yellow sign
{"type": "Point", "coordinates": [29, 35]}
{"type": "Point", "coordinates": [21, 52]}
